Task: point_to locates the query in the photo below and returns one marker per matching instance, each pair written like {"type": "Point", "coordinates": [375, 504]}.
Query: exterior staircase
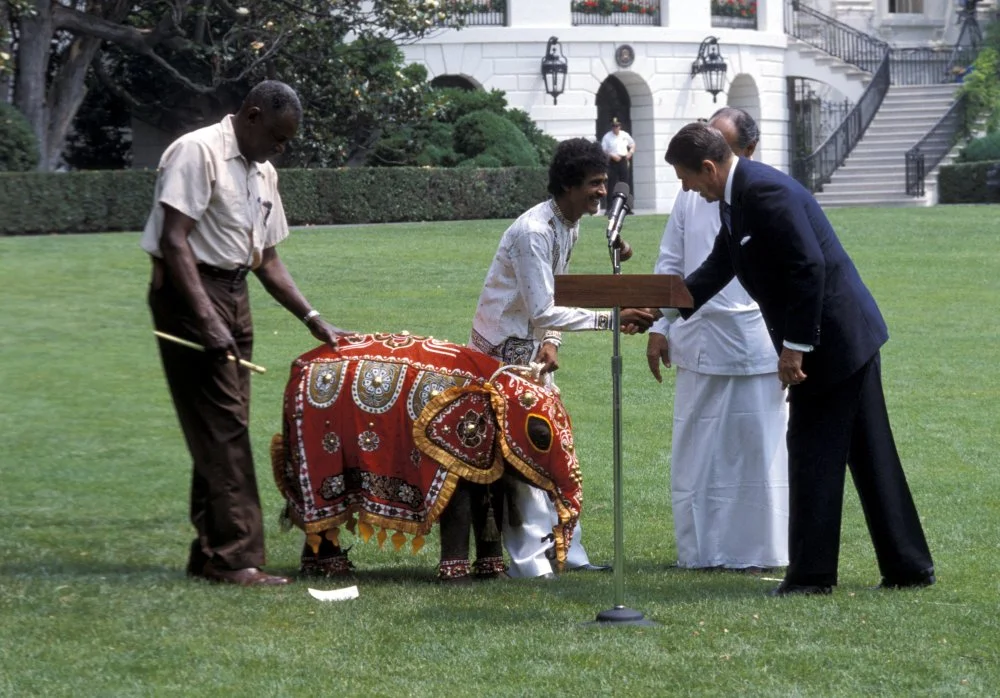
{"type": "Point", "coordinates": [874, 174]}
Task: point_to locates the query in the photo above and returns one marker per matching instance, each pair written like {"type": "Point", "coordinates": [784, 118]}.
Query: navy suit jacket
{"type": "Point", "coordinates": [784, 251]}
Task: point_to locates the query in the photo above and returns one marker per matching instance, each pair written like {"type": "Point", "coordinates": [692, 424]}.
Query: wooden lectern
{"type": "Point", "coordinates": [617, 291]}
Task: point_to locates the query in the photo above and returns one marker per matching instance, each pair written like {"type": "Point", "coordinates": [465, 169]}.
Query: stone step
{"type": "Point", "coordinates": [871, 202]}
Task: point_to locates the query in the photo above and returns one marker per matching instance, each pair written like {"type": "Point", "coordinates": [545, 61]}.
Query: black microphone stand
{"type": "Point", "coordinates": [619, 614]}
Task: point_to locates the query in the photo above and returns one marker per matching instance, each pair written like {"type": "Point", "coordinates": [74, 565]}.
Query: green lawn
{"type": "Point", "coordinates": [94, 481]}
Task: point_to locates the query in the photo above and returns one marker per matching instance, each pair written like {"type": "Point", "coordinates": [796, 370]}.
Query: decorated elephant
{"type": "Point", "coordinates": [390, 433]}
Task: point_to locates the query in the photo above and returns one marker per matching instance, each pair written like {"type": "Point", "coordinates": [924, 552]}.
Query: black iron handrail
{"type": "Point", "coordinates": [850, 45]}
{"type": "Point", "coordinates": [933, 147]}
{"type": "Point", "coordinates": [816, 169]}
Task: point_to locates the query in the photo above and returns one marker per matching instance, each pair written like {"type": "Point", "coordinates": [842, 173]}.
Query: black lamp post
{"type": "Point", "coordinates": [554, 68]}
{"type": "Point", "coordinates": [711, 65]}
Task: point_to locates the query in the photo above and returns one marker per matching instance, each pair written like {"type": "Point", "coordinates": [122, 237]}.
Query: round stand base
{"type": "Point", "coordinates": [620, 615]}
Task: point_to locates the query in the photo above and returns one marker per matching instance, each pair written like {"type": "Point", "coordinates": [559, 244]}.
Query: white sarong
{"type": "Point", "coordinates": [729, 471]}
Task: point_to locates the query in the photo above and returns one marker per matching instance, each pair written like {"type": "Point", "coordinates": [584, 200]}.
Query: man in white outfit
{"type": "Point", "coordinates": [620, 147]}
{"type": "Point", "coordinates": [729, 463]}
{"type": "Point", "coordinates": [517, 321]}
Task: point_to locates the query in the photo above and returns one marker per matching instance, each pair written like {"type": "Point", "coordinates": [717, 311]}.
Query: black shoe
{"type": "Point", "coordinates": [917, 583]}
{"type": "Point", "coordinates": [786, 589]}
{"type": "Point", "coordinates": [590, 568]}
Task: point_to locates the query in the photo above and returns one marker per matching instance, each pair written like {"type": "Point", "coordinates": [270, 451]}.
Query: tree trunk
{"type": "Point", "coordinates": [67, 92]}
{"type": "Point", "coordinates": [33, 48]}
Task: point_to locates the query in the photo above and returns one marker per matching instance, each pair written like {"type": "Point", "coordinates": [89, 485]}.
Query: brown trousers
{"type": "Point", "coordinates": [212, 400]}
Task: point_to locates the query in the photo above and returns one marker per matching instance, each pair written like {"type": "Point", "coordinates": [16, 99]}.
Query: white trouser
{"type": "Point", "coordinates": [528, 542]}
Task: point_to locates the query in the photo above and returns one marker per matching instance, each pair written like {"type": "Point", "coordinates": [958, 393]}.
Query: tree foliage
{"type": "Point", "coordinates": [18, 147]}
{"type": "Point", "coordinates": [468, 128]}
{"type": "Point", "coordinates": [182, 63]}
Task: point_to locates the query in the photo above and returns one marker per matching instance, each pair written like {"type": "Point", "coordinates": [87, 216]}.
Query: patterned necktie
{"type": "Point", "coordinates": [724, 215]}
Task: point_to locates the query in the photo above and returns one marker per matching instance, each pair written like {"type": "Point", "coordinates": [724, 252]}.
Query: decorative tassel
{"type": "Point", "coordinates": [333, 535]}
{"type": "Point", "coordinates": [416, 544]}
{"type": "Point", "coordinates": [490, 532]}
{"type": "Point", "coordinates": [382, 535]}
{"type": "Point", "coordinates": [366, 531]}
{"type": "Point", "coordinates": [398, 539]}
{"type": "Point", "coordinates": [313, 540]}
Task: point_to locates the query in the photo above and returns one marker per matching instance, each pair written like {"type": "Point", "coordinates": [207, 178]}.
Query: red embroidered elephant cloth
{"type": "Point", "coordinates": [384, 428]}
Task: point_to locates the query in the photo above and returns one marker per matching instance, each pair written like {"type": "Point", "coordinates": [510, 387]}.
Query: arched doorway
{"type": "Point", "coordinates": [458, 81]}
{"type": "Point", "coordinates": [613, 100]}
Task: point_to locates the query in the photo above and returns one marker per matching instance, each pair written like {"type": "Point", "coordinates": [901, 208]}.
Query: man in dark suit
{"type": "Point", "coordinates": [827, 330]}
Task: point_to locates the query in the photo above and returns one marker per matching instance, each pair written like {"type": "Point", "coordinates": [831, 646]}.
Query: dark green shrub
{"type": "Point", "coordinates": [456, 103]}
{"type": "Point", "coordinates": [966, 183]}
{"type": "Point", "coordinates": [981, 149]}
{"type": "Point", "coordinates": [486, 132]}
{"type": "Point", "coordinates": [18, 145]}
{"type": "Point", "coordinates": [81, 202]}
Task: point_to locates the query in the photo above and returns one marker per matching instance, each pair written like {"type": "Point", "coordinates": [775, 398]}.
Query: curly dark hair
{"type": "Point", "coordinates": [573, 160]}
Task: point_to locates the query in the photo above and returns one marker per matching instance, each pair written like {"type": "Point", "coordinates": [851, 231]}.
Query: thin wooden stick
{"type": "Point", "coordinates": [191, 345]}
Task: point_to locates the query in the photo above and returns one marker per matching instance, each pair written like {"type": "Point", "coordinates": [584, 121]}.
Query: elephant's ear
{"type": "Point", "coordinates": [458, 429]}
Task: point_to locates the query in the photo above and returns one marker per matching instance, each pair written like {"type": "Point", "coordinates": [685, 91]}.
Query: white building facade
{"type": "Point", "coordinates": [655, 93]}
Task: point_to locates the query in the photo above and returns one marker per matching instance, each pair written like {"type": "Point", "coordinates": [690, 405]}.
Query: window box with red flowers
{"type": "Point", "coordinates": [736, 14]}
{"type": "Point", "coordinates": [615, 12]}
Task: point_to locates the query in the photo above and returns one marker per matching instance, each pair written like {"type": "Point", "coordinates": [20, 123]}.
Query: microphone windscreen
{"type": "Point", "coordinates": [621, 188]}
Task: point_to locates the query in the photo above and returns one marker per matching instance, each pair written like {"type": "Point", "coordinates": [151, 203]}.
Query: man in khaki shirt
{"type": "Point", "coordinates": [216, 216]}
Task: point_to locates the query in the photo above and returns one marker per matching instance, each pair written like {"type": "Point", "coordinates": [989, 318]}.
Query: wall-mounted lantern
{"type": "Point", "coordinates": [711, 65]}
{"type": "Point", "coordinates": [554, 67]}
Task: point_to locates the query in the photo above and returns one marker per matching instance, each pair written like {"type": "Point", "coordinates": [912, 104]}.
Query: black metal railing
{"type": "Point", "coordinates": [615, 12]}
{"type": "Point", "coordinates": [735, 14]}
{"type": "Point", "coordinates": [815, 170]}
{"type": "Point", "coordinates": [932, 148]}
{"type": "Point", "coordinates": [474, 13]}
{"type": "Point", "coordinates": [929, 66]}
{"type": "Point", "coordinates": [836, 38]}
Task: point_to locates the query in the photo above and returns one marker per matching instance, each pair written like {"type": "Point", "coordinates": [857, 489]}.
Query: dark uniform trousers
{"type": "Point", "coordinates": [212, 400]}
{"type": "Point", "coordinates": [848, 423]}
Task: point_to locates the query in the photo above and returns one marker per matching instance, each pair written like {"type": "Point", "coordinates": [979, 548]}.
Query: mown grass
{"type": "Point", "coordinates": [94, 480]}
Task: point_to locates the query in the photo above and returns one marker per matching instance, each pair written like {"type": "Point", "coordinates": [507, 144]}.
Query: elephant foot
{"type": "Point", "coordinates": [490, 568]}
{"type": "Point", "coordinates": [453, 571]}
{"type": "Point", "coordinates": [330, 561]}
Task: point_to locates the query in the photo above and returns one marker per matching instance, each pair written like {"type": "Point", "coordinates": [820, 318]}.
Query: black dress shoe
{"type": "Point", "coordinates": [786, 589]}
{"type": "Point", "coordinates": [590, 568]}
{"type": "Point", "coordinates": [917, 583]}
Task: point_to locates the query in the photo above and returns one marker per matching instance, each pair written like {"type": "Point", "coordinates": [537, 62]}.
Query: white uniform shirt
{"type": "Point", "coordinates": [518, 297]}
{"type": "Point", "coordinates": [617, 145]}
{"type": "Point", "coordinates": [235, 203]}
{"type": "Point", "coordinates": [727, 335]}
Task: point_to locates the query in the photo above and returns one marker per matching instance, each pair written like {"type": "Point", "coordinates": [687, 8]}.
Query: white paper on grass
{"type": "Point", "coordinates": [334, 594]}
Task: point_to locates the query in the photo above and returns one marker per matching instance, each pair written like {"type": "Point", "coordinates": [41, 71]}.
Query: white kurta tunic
{"type": "Point", "coordinates": [729, 464]}
{"type": "Point", "coordinates": [515, 314]}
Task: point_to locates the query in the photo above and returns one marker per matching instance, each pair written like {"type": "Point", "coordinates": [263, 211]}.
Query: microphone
{"type": "Point", "coordinates": [619, 207]}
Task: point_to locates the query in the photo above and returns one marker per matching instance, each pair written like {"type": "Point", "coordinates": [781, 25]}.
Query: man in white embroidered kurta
{"type": "Point", "coordinates": [518, 321]}
{"type": "Point", "coordinates": [729, 464]}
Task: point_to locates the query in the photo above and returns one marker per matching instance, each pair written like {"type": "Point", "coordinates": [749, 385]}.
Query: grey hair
{"type": "Point", "coordinates": [747, 132]}
{"type": "Point", "coordinates": [274, 97]}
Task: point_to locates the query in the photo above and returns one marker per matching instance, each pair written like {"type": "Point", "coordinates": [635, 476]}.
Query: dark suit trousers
{"type": "Point", "coordinates": [848, 424]}
{"type": "Point", "coordinates": [212, 400]}
{"type": "Point", "coordinates": [617, 172]}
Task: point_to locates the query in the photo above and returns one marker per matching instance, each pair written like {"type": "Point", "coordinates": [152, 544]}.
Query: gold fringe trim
{"type": "Point", "coordinates": [416, 544]}
{"type": "Point", "coordinates": [366, 530]}
{"type": "Point", "coordinates": [382, 535]}
{"type": "Point", "coordinates": [398, 540]}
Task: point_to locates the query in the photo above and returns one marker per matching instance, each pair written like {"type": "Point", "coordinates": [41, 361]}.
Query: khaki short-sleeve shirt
{"type": "Point", "coordinates": [235, 203]}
